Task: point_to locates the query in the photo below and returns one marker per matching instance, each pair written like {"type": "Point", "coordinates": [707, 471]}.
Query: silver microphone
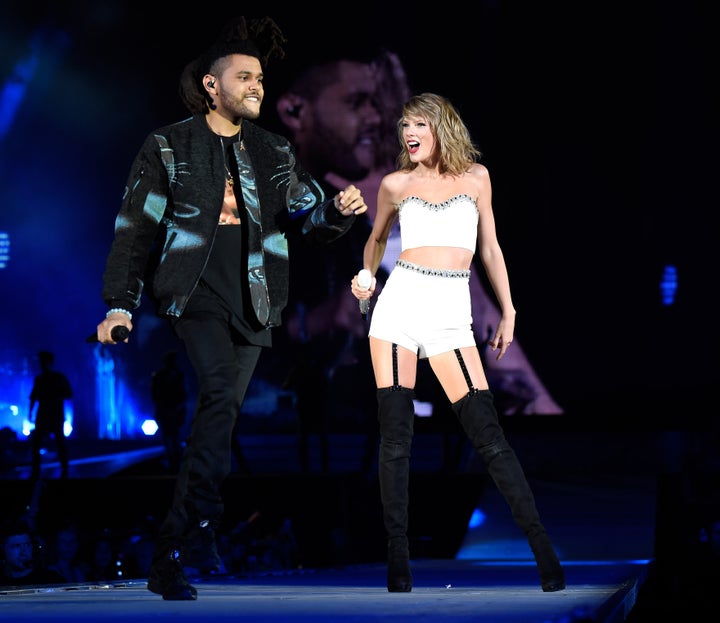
{"type": "Point", "coordinates": [364, 282]}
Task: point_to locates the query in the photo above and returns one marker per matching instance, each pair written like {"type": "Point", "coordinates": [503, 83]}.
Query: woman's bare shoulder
{"type": "Point", "coordinates": [478, 170]}
{"type": "Point", "coordinates": [394, 180]}
{"type": "Point", "coordinates": [392, 184]}
{"type": "Point", "coordinates": [479, 176]}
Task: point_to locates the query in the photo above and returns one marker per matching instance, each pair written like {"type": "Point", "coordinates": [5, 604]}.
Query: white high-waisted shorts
{"type": "Point", "coordinates": [424, 310]}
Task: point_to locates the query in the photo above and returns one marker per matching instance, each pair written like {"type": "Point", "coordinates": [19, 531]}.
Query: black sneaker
{"type": "Point", "coordinates": [200, 550]}
{"type": "Point", "coordinates": [167, 578]}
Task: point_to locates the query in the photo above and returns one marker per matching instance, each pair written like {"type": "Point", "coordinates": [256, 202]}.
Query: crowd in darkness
{"type": "Point", "coordinates": [70, 551]}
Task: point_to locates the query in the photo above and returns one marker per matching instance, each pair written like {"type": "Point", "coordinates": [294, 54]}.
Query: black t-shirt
{"type": "Point", "coordinates": [223, 284]}
{"type": "Point", "coordinates": [50, 389]}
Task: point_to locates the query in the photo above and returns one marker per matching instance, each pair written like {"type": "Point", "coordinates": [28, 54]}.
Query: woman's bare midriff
{"type": "Point", "coordinates": [443, 258]}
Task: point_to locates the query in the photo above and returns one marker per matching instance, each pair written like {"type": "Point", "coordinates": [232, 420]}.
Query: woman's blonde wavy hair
{"type": "Point", "coordinates": [457, 151]}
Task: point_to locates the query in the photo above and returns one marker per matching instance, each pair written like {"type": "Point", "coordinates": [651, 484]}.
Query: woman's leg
{"type": "Point", "coordinates": [476, 411]}
{"type": "Point", "coordinates": [395, 369]}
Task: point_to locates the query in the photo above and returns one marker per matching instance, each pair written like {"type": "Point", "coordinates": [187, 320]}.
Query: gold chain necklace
{"type": "Point", "coordinates": [228, 174]}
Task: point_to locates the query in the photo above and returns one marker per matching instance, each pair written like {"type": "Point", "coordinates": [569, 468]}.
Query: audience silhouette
{"type": "Point", "coordinates": [23, 562]}
{"type": "Point", "coordinates": [65, 555]}
{"type": "Point", "coordinates": [49, 392]}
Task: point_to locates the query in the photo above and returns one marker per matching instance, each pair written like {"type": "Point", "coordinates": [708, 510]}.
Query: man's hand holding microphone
{"type": "Point", "coordinates": [115, 328]}
{"type": "Point", "coordinates": [363, 287]}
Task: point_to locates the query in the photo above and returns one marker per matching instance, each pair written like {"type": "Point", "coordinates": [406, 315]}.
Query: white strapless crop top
{"type": "Point", "coordinates": [452, 223]}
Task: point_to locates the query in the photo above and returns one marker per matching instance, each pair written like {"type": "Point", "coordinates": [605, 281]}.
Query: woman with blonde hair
{"type": "Point", "coordinates": [441, 196]}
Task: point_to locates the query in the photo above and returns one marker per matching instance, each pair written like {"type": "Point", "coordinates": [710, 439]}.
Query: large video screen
{"type": "Point", "coordinates": [597, 130]}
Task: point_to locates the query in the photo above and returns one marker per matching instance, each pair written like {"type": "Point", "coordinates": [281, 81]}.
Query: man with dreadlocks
{"type": "Point", "coordinates": [209, 205]}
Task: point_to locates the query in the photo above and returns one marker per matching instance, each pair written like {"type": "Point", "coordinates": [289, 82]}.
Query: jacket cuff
{"type": "Point", "coordinates": [333, 216]}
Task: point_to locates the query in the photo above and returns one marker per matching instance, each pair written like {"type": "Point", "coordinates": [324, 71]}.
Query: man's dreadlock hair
{"type": "Point", "coordinates": [261, 38]}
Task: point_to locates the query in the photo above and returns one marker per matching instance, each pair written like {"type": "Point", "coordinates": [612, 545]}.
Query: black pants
{"type": "Point", "coordinates": [43, 429]}
{"type": "Point", "coordinates": [224, 366]}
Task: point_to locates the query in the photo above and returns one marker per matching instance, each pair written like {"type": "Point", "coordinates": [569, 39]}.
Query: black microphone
{"type": "Point", "coordinates": [118, 333]}
{"type": "Point", "coordinates": [364, 281]}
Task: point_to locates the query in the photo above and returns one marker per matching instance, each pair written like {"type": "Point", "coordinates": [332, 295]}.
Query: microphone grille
{"type": "Point", "coordinates": [364, 279]}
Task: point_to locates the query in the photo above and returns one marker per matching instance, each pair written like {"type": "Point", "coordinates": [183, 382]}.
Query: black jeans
{"type": "Point", "coordinates": [224, 366]}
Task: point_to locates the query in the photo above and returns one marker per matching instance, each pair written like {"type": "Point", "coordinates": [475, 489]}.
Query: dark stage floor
{"type": "Point", "coordinates": [445, 591]}
{"type": "Point", "coordinates": [470, 562]}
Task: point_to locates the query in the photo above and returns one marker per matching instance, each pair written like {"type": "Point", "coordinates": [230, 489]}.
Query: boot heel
{"type": "Point", "coordinates": [478, 417]}
{"type": "Point", "coordinates": [399, 575]}
{"type": "Point", "coordinates": [552, 576]}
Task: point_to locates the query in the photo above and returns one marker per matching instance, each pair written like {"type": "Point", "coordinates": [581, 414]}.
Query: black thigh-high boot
{"type": "Point", "coordinates": [478, 417]}
{"type": "Point", "coordinates": [395, 414]}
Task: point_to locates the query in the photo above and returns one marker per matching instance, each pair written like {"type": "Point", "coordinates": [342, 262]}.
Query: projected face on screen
{"type": "Point", "coordinates": [334, 118]}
